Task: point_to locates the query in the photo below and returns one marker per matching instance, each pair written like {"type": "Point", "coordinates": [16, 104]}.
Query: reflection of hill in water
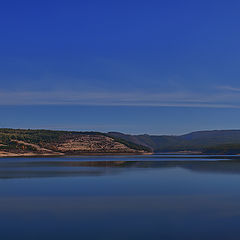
{"type": "Point", "coordinates": [204, 166]}
{"type": "Point", "coordinates": [39, 169]}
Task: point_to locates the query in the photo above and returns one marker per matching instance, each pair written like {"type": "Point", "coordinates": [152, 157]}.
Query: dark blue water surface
{"type": "Point", "coordinates": [125, 197]}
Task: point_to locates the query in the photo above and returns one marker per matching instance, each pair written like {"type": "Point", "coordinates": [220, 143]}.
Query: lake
{"type": "Point", "coordinates": [120, 197]}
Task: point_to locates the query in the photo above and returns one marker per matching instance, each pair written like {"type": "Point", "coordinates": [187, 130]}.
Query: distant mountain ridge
{"type": "Point", "coordinates": [212, 141]}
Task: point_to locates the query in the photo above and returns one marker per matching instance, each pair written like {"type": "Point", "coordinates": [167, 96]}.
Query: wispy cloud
{"type": "Point", "coordinates": [229, 88]}
{"type": "Point", "coordinates": [98, 98]}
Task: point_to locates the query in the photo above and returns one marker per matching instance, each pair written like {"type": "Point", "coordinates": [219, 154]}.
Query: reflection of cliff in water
{"type": "Point", "coordinates": [39, 169]}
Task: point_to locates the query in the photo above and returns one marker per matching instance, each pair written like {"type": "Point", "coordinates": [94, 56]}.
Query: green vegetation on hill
{"type": "Point", "coordinates": [202, 141]}
{"type": "Point", "coordinates": [229, 149]}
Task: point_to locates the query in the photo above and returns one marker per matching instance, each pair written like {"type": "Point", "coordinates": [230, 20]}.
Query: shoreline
{"type": "Point", "coordinates": [18, 155]}
{"type": "Point", "coordinates": [55, 154]}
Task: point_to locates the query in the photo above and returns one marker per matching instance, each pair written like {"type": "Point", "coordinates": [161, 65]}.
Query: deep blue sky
{"type": "Point", "coordinates": [133, 66]}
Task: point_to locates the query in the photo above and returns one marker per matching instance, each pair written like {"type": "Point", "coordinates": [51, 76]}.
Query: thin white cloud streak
{"type": "Point", "coordinates": [229, 88]}
{"type": "Point", "coordinates": [173, 99]}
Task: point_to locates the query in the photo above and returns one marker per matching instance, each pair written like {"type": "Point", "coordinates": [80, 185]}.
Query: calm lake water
{"type": "Point", "coordinates": [122, 197]}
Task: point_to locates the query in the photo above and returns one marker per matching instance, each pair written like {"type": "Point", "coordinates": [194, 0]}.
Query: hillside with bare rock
{"type": "Point", "coordinates": [19, 142]}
